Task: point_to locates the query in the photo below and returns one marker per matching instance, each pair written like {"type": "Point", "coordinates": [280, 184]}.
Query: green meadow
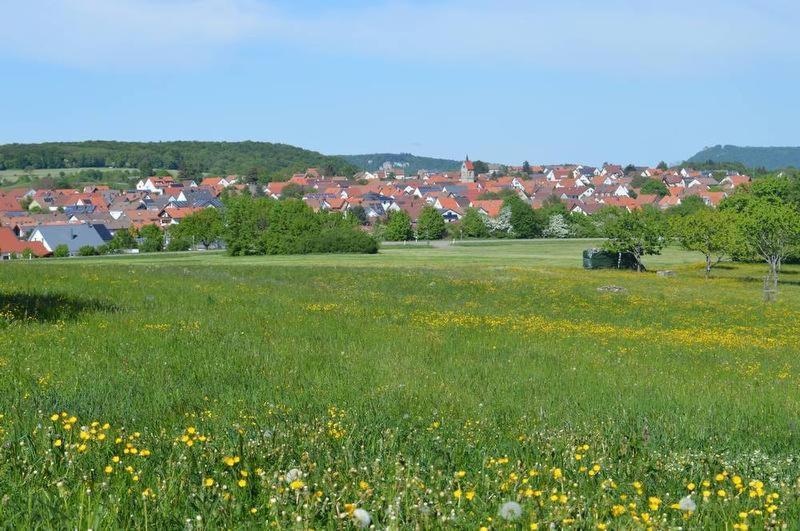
{"type": "Point", "coordinates": [420, 387]}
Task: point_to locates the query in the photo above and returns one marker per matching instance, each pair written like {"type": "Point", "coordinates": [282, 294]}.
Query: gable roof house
{"type": "Point", "coordinates": [490, 207]}
{"type": "Point", "coordinates": [155, 184]}
{"type": "Point", "coordinates": [449, 208]}
{"type": "Point", "coordinates": [611, 190]}
{"type": "Point", "coordinates": [731, 182]}
{"type": "Point", "coordinates": [9, 203]}
{"type": "Point", "coordinates": [10, 245]}
{"type": "Point", "coordinates": [73, 236]}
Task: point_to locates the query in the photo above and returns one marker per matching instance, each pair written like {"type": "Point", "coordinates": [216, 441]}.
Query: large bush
{"type": "Point", "coordinates": [266, 226]}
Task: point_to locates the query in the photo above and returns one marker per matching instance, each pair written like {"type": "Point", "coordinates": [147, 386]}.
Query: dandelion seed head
{"type": "Point", "coordinates": [293, 475]}
{"type": "Point", "coordinates": [362, 518]}
{"type": "Point", "coordinates": [687, 504]}
{"type": "Point", "coordinates": [510, 511]}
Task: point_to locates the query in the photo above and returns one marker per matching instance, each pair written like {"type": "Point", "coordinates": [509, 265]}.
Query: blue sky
{"type": "Point", "coordinates": [503, 80]}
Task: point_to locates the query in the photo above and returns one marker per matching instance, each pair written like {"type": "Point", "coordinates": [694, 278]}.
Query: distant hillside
{"type": "Point", "coordinates": [411, 163]}
{"type": "Point", "coordinates": [264, 159]}
{"type": "Point", "coordinates": [771, 158]}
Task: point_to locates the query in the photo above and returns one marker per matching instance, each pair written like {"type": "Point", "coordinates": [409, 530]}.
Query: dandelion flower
{"type": "Point", "coordinates": [510, 511]}
{"type": "Point", "coordinates": [687, 504]}
{"type": "Point", "coordinates": [361, 518]}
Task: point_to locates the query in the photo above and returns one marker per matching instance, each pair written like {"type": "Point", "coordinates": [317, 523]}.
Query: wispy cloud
{"type": "Point", "coordinates": [127, 33]}
{"type": "Point", "coordinates": [639, 36]}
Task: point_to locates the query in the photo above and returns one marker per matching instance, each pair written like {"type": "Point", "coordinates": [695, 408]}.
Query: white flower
{"type": "Point", "coordinates": [362, 518]}
{"type": "Point", "coordinates": [687, 504]}
{"type": "Point", "coordinates": [294, 475]}
{"type": "Point", "coordinates": [510, 511]}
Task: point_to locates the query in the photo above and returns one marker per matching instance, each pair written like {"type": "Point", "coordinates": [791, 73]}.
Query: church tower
{"type": "Point", "coordinates": [467, 171]}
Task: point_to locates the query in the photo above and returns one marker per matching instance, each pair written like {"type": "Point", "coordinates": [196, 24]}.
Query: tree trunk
{"type": "Point", "coordinates": [775, 268]}
{"type": "Point", "coordinates": [708, 265]}
{"type": "Point", "coordinates": [771, 281]}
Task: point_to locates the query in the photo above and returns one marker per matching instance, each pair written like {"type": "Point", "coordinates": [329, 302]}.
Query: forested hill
{"type": "Point", "coordinates": [263, 159]}
{"type": "Point", "coordinates": [771, 158]}
{"type": "Point", "coordinates": [411, 163]}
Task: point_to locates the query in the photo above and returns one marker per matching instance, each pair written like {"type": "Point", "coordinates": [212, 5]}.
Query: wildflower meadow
{"type": "Point", "coordinates": [475, 387]}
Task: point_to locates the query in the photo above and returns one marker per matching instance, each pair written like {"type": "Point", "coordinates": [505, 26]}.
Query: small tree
{"type": "Point", "coordinates": [178, 244]}
{"type": "Point", "coordinates": [87, 250]}
{"type": "Point", "coordinates": [712, 233]}
{"type": "Point", "coordinates": [771, 230]}
{"type": "Point", "coordinates": [293, 191]}
{"type": "Point", "coordinates": [524, 220]}
{"type": "Point", "coordinates": [526, 167]}
{"type": "Point", "coordinates": [204, 227]}
{"type": "Point", "coordinates": [662, 166]}
{"type": "Point", "coordinates": [472, 224]}
{"type": "Point", "coordinates": [359, 214]}
{"type": "Point", "coordinates": [123, 239]}
{"type": "Point", "coordinates": [480, 167]}
{"type": "Point", "coordinates": [398, 228]}
{"type": "Point", "coordinates": [431, 224]}
{"type": "Point", "coordinates": [501, 225]}
{"type": "Point", "coordinates": [61, 251]}
{"type": "Point", "coordinates": [152, 239]}
{"type": "Point", "coordinates": [557, 227]}
{"type": "Point", "coordinates": [639, 233]}
{"type": "Point", "coordinates": [145, 169]}
{"type": "Point", "coordinates": [656, 187]}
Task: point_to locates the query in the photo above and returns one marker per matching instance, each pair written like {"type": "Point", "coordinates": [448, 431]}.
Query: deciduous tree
{"type": "Point", "coordinates": [771, 231]}
{"type": "Point", "coordinates": [524, 220]}
{"type": "Point", "coordinates": [204, 227]}
{"type": "Point", "coordinates": [431, 224]}
{"type": "Point", "coordinates": [640, 233]}
{"type": "Point", "coordinates": [712, 233]}
{"type": "Point", "coordinates": [472, 224]}
{"type": "Point", "coordinates": [398, 227]}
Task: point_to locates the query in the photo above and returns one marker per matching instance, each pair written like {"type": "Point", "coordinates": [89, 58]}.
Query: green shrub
{"type": "Point", "coordinates": [343, 241]}
{"type": "Point", "coordinates": [61, 251]}
{"type": "Point", "coordinates": [178, 244]}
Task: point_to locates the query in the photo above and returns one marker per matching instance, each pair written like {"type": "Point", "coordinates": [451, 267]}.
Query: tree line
{"type": "Point", "coordinates": [255, 160]}
{"type": "Point", "coordinates": [761, 222]}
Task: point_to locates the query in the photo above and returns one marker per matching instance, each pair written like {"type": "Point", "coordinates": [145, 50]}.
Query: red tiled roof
{"type": "Point", "coordinates": [9, 243]}
{"type": "Point", "coordinates": [492, 207]}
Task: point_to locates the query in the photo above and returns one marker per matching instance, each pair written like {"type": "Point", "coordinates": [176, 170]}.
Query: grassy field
{"type": "Point", "coordinates": [427, 387]}
{"type": "Point", "coordinates": [10, 178]}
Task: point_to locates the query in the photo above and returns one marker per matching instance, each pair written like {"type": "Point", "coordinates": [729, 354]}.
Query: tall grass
{"type": "Point", "coordinates": [426, 395]}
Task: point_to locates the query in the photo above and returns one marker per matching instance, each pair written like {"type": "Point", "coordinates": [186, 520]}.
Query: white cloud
{"type": "Point", "coordinates": [126, 33]}
{"type": "Point", "coordinates": [635, 36]}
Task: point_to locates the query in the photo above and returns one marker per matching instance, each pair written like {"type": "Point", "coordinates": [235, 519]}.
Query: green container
{"type": "Point", "coordinates": [600, 259]}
